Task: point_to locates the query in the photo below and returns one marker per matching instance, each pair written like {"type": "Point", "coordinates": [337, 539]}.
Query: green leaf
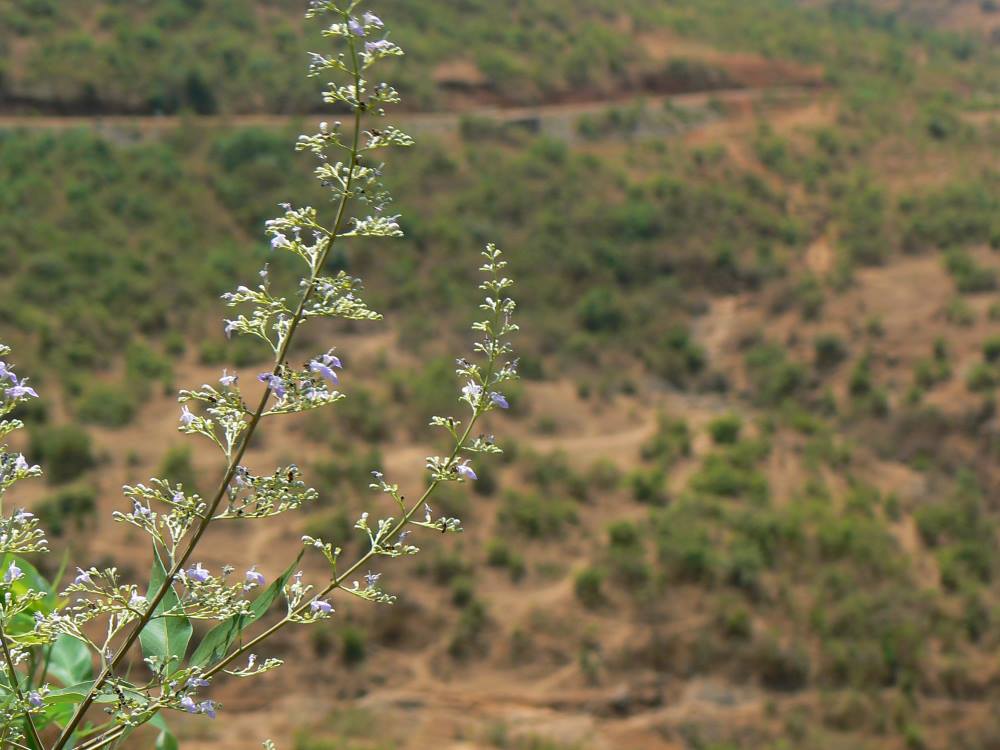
{"type": "Point", "coordinates": [69, 661]}
{"type": "Point", "coordinates": [216, 643]}
{"type": "Point", "coordinates": [76, 694]}
{"type": "Point", "coordinates": [32, 580]}
{"type": "Point", "coordinates": [164, 637]}
{"type": "Point", "coordinates": [166, 740]}
{"type": "Point", "coordinates": [72, 694]}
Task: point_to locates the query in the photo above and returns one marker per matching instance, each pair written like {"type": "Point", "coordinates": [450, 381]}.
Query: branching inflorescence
{"type": "Point", "coordinates": [62, 653]}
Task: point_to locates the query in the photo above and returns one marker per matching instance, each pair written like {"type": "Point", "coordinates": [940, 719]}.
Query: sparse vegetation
{"type": "Point", "coordinates": [757, 323]}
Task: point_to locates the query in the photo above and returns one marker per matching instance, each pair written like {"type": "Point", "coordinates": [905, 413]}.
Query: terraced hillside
{"type": "Point", "coordinates": [750, 498]}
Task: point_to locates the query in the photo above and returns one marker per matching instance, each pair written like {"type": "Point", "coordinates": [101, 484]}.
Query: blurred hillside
{"type": "Point", "coordinates": [750, 498]}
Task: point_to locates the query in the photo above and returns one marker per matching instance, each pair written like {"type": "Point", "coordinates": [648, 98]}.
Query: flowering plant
{"type": "Point", "coordinates": [63, 652]}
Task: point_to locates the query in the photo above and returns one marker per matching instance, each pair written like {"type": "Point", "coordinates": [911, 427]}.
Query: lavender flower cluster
{"type": "Point", "coordinates": [63, 652]}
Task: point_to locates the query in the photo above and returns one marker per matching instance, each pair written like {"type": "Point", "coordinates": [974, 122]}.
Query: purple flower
{"type": "Point", "coordinates": [500, 400]}
{"type": "Point", "coordinates": [370, 19]}
{"type": "Point", "coordinates": [188, 704]}
{"type": "Point", "coordinates": [275, 383]}
{"type": "Point", "coordinates": [83, 577]}
{"type": "Point", "coordinates": [230, 327]}
{"type": "Point", "coordinates": [280, 241]}
{"type": "Point", "coordinates": [381, 45]}
{"type": "Point", "coordinates": [472, 391]}
{"type": "Point", "coordinates": [207, 708]}
{"type": "Point", "coordinates": [465, 471]}
{"type": "Point", "coordinates": [178, 497]}
{"type": "Point", "coordinates": [324, 371]}
{"type": "Point", "coordinates": [20, 390]}
{"type": "Point", "coordinates": [13, 573]}
{"type": "Point", "coordinates": [138, 509]}
{"type": "Point", "coordinates": [228, 380]}
{"type": "Point", "coordinates": [372, 578]}
{"type": "Point", "coordinates": [240, 476]}
{"type": "Point", "coordinates": [324, 366]}
{"type": "Point", "coordinates": [7, 373]}
{"type": "Point", "coordinates": [35, 699]}
{"type": "Point", "coordinates": [198, 574]}
{"type": "Point", "coordinates": [331, 360]}
{"type": "Point", "coordinates": [428, 511]}
{"type": "Point", "coordinates": [356, 27]}
{"type": "Point", "coordinates": [20, 464]}
{"type": "Point", "coordinates": [197, 682]}
{"type": "Point", "coordinates": [254, 577]}
{"type": "Point", "coordinates": [137, 601]}
{"type": "Point", "coordinates": [186, 416]}
{"type": "Point", "coordinates": [321, 607]}
{"type": "Point", "coordinates": [22, 515]}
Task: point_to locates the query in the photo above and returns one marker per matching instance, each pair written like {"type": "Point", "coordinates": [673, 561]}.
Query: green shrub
{"type": "Point", "coordinates": [463, 589]}
{"type": "Point", "coordinates": [177, 467]}
{"type": "Point", "coordinates": [535, 516]}
{"type": "Point", "coordinates": [982, 377]}
{"type": "Point", "coordinates": [959, 313]}
{"type": "Point", "coordinates": [649, 486]}
{"type": "Point", "coordinates": [725, 475]}
{"type": "Point", "coordinates": [467, 637]}
{"type": "Point", "coordinates": [725, 430]}
{"type": "Point", "coordinates": [500, 555]}
{"type": "Point", "coordinates": [333, 526]}
{"type": "Point", "coordinates": [74, 505]}
{"type": "Point", "coordinates": [143, 365]}
{"type": "Point", "coordinates": [773, 376]}
{"type": "Point", "coordinates": [735, 622]}
{"type": "Point", "coordinates": [780, 667]}
{"type": "Point", "coordinates": [956, 215]}
{"type": "Point", "coordinates": [991, 349]}
{"type": "Point", "coordinates": [676, 356]}
{"type": "Point", "coordinates": [600, 310]}
{"type": "Point", "coordinates": [552, 472]}
{"type": "Point", "coordinates": [447, 566]}
{"type": "Point", "coordinates": [107, 405]}
{"type": "Point", "coordinates": [604, 475]}
{"type": "Point", "coordinates": [588, 586]}
{"type": "Point", "coordinates": [671, 442]}
{"type": "Point", "coordinates": [363, 416]}
{"type": "Point", "coordinates": [830, 351]}
{"type": "Point", "coordinates": [809, 297]}
{"type": "Point", "coordinates": [863, 222]}
{"type": "Point", "coordinates": [970, 277]}
{"type": "Point", "coordinates": [488, 481]}
{"type": "Point", "coordinates": [353, 645]}
{"type": "Point", "coordinates": [64, 451]}
{"type": "Point", "coordinates": [744, 566]}
{"type": "Point", "coordinates": [685, 547]}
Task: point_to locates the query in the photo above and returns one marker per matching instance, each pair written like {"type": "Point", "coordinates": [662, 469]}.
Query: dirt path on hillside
{"type": "Point", "coordinates": [557, 120]}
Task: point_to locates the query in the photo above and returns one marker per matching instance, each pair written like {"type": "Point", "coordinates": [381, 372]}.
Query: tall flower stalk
{"type": "Point", "coordinates": [106, 616]}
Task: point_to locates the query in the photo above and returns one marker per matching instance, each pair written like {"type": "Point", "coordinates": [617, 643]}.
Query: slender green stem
{"type": "Point", "coordinates": [16, 686]}
{"type": "Point", "coordinates": [338, 580]}
{"type": "Point", "coordinates": [244, 443]}
{"type": "Point", "coordinates": [332, 586]}
{"type": "Point", "coordinates": [103, 740]}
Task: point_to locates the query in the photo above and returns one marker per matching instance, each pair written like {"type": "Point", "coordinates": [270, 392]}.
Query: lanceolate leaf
{"type": "Point", "coordinates": [165, 637]}
{"type": "Point", "coordinates": [166, 740]}
{"type": "Point", "coordinates": [69, 661]}
{"type": "Point", "coordinates": [216, 643]}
